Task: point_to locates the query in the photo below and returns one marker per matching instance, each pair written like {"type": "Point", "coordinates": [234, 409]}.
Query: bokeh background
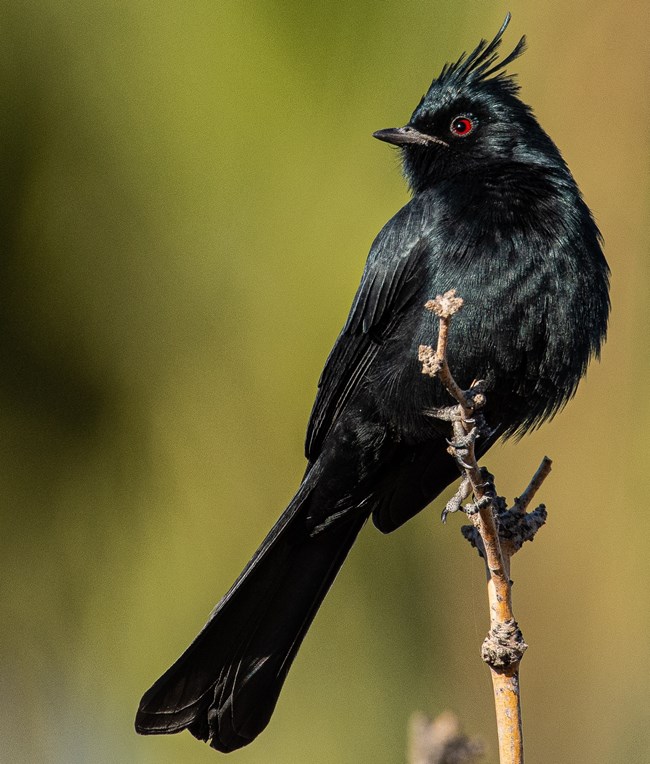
{"type": "Point", "coordinates": [189, 191]}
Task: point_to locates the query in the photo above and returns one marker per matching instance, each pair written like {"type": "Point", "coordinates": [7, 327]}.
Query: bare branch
{"type": "Point", "coordinates": [496, 531]}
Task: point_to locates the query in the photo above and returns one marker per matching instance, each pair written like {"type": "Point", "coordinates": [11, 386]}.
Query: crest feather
{"type": "Point", "coordinates": [482, 63]}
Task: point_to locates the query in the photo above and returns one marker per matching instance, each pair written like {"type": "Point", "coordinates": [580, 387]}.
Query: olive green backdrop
{"type": "Point", "coordinates": [189, 191]}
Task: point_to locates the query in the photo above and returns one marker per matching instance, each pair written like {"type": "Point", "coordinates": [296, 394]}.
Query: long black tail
{"type": "Point", "coordinates": [226, 684]}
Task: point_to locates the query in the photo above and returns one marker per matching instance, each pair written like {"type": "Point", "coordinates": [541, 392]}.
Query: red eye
{"type": "Point", "coordinates": [462, 126]}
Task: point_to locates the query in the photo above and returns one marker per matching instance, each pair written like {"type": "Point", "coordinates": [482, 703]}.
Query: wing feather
{"type": "Point", "coordinates": [394, 271]}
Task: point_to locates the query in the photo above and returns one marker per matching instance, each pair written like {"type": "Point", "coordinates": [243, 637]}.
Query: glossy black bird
{"type": "Point", "coordinates": [496, 215]}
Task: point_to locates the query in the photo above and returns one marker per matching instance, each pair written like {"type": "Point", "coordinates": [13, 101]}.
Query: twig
{"type": "Point", "coordinates": [536, 481]}
{"type": "Point", "coordinates": [496, 532]}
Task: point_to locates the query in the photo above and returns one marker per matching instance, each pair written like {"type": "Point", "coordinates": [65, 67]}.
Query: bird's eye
{"type": "Point", "coordinates": [462, 126]}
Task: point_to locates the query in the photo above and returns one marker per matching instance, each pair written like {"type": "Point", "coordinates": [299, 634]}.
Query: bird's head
{"type": "Point", "coordinates": [470, 117]}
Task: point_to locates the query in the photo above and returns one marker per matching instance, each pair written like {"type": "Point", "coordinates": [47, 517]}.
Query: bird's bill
{"type": "Point", "coordinates": [400, 136]}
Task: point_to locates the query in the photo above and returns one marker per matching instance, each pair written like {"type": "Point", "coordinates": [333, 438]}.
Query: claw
{"type": "Point", "coordinates": [463, 442]}
{"type": "Point", "coordinates": [462, 466]}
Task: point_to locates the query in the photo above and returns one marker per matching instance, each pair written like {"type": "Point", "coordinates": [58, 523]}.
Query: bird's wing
{"type": "Point", "coordinates": [394, 272]}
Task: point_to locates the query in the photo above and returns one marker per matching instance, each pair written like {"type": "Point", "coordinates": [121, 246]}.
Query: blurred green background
{"type": "Point", "coordinates": [189, 191]}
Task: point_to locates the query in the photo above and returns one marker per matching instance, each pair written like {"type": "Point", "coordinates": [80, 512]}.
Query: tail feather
{"type": "Point", "coordinates": [226, 684]}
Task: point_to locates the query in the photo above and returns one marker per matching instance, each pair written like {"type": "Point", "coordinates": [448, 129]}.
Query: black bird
{"type": "Point", "coordinates": [496, 215]}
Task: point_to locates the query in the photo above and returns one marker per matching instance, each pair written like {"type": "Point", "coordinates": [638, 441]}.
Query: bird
{"type": "Point", "coordinates": [495, 214]}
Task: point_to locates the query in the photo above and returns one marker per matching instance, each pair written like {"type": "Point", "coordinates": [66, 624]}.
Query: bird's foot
{"type": "Point", "coordinates": [444, 413]}
{"type": "Point", "coordinates": [478, 505]}
{"type": "Point", "coordinates": [489, 494]}
{"type": "Point", "coordinates": [462, 442]}
{"type": "Point", "coordinates": [456, 502]}
{"type": "Point", "coordinates": [459, 448]}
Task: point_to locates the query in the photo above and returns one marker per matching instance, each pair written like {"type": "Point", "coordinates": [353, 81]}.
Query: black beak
{"type": "Point", "coordinates": [400, 136]}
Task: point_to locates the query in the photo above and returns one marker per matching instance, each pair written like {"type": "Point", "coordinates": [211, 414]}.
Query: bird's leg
{"type": "Point", "coordinates": [460, 448]}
